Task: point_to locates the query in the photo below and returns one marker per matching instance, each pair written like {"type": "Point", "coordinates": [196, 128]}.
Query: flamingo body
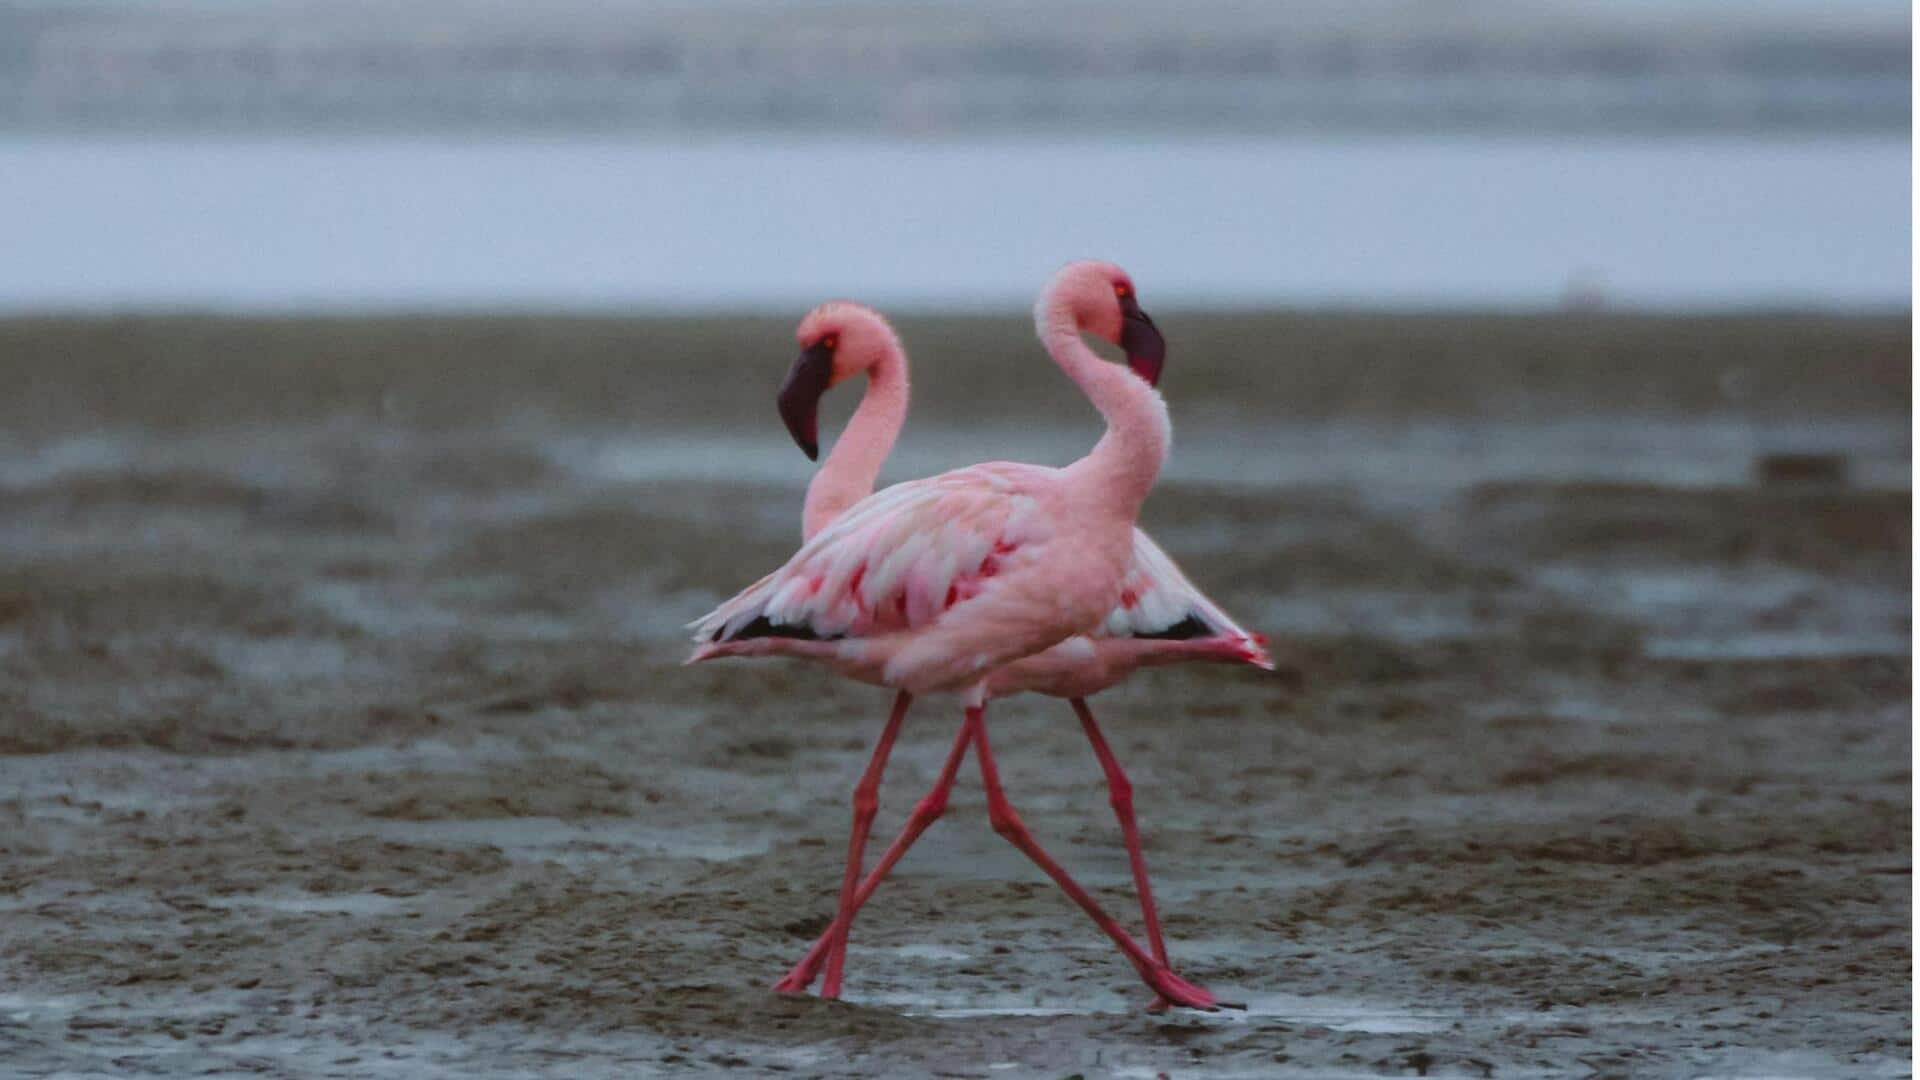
{"type": "Point", "coordinates": [929, 585]}
{"type": "Point", "coordinates": [1161, 618]}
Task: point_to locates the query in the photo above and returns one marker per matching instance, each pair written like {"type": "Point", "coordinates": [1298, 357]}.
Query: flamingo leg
{"type": "Point", "coordinates": [1007, 823]}
{"type": "Point", "coordinates": [866, 803]}
{"type": "Point", "coordinates": [925, 812]}
{"type": "Point", "coordinates": [1120, 794]}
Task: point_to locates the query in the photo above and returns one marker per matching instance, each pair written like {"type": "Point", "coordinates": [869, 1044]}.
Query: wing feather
{"type": "Point", "coordinates": [1159, 601]}
{"type": "Point", "coordinates": [890, 562]}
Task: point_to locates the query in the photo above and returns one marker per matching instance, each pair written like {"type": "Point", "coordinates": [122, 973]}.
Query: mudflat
{"type": "Point", "coordinates": [343, 729]}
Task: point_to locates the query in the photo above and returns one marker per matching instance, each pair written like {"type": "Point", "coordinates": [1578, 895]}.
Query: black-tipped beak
{"type": "Point", "coordinates": [1146, 350]}
{"type": "Point", "coordinates": [800, 397]}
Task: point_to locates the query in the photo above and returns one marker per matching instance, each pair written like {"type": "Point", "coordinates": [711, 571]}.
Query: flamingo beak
{"type": "Point", "coordinates": [799, 398]}
{"type": "Point", "coordinates": [1146, 350]}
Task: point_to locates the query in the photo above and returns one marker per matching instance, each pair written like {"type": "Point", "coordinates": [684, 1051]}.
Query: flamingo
{"type": "Point", "coordinates": [934, 585]}
{"type": "Point", "coordinates": [1161, 619]}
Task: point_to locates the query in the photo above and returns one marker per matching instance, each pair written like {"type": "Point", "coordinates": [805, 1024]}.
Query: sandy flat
{"type": "Point", "coordinates": [343, 732]}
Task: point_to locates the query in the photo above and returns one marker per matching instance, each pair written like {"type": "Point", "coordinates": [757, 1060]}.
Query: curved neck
{"type": "Point", "coordinates": [1123, 465]}
{"type": "Point", "coordinates": [848, 474]}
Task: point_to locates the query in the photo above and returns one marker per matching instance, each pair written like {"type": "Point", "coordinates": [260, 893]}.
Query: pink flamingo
{"type": "Point", "coordinates": [936, 584]}
{"type": "Point", "coordinates": [1161, 619]}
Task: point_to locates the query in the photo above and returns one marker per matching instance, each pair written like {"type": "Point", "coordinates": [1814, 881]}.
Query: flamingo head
{"type": "Point", "coordinates": [1104, 302]}
{"type": "Point", "coordinates": [838, 339]}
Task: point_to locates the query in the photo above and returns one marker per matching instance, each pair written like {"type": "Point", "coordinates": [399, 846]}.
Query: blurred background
{"type": "Point", "coordinates": [387, 384]}
{"type": "Point", "coordinates": [945, 155]}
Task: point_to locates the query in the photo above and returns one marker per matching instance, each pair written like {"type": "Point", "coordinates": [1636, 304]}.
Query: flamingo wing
{"type": "Point", "coordinates": [897, 560]}
{"type": "Point", "coordinates": [1159, 602]}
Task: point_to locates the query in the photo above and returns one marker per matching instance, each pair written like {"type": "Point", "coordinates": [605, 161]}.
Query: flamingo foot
{"type": "Point", "coordinates": [1174, 990]}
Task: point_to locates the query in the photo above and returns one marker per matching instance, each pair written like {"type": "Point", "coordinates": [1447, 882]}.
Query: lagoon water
{"type": "Point", "coordinates": [391, 223]}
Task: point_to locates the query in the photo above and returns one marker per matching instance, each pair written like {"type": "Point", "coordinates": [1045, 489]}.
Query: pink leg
{"type": "Point", "coordinates": [866, 803]}
{"type": "Point", "coordinates": [925, 812]}
{"type": "Point", "coordinates": [1008, 824]}
{"type": "Point", "coordinates": [1120, 794]}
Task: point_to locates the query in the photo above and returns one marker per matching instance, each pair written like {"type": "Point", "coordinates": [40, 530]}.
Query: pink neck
{"type": "Point", "coordinates": [1123, 465]}
{"type": "Point", "coordinates": [848, 474]}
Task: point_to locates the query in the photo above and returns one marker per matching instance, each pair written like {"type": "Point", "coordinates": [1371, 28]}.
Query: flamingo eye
{"type": "Point", "coordinates": [1122, 290]}
{"type": "Point", "coordinates": [830, 342]}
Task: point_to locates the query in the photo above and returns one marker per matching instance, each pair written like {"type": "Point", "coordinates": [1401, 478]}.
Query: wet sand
{"type": "Point", "coordinates": [342, 730]}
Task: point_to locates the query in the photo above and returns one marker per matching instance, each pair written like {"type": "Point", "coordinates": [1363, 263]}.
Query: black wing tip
{"type": "Point", "coordinates": [1185, 630]}
{"type": "Point", "coordinates": [763, 627]}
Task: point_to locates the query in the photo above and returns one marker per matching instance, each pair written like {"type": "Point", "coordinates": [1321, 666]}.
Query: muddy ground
{"type": "Point", "coordinates": [342, 730]}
